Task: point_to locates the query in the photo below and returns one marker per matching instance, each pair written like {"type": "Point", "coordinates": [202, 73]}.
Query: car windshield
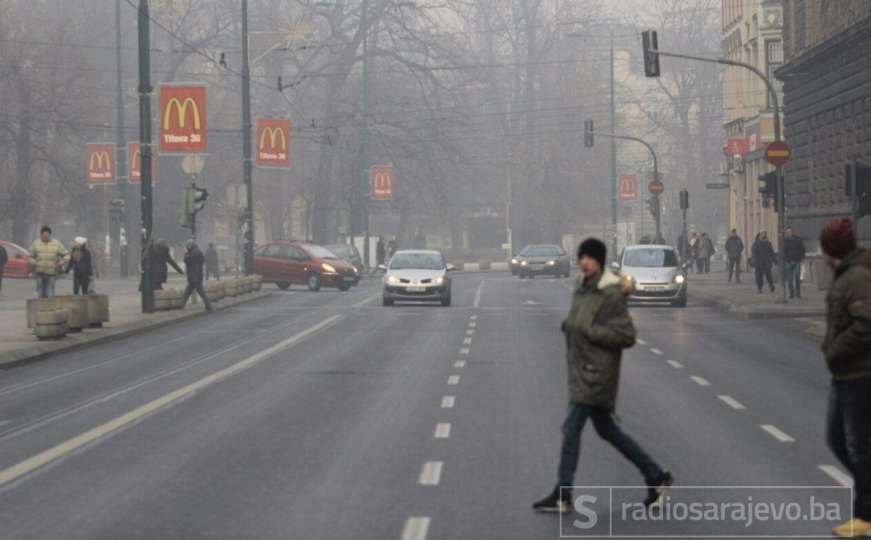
{"type": "Point", "coordinates": [341, 250]}
{"type": "Point", "coordinates": [417, 261]}
{"type": "Point", "coordinates": [540, 251]}
{"type": "Point", "coordinates": [319, 252]}
{"type": "Point", "coordinates": [650, 258]}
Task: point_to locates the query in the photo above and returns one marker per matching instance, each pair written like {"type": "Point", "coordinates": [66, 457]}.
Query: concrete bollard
{"type": "Point", "coordinates": [167, 299]}
{"type": "Point", "coordinates": [35, 305]}
{"type": "Point", "coordinates": [77, 311]}
{"type": "Point", "coordinates": [50, 323]}
{"type": "Point", "coordinates": [483, 264]}
{"type": "Point", "coordinates": [214, 291]}
{"type": "Point", "coordinates": [258, 282]}
{"type": "Point", "coordinates": [231, 287]}
{"type": "Point", "coordinates": [98, 310]}
{"type": "Point", "coordinates": [459, 265]}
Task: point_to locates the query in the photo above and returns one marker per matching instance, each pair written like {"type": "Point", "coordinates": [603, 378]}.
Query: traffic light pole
{"type": "Point", "coordinates": [246, 145]}
{"type": "Point", "coordinates": [781, 207]}
{"type": "Point", "coordinates": [145, 90]}
{"type": "Point", "coordinates": [121, 149]}
{"type": "Point", "coordinates": [364, 136]}
{"type": "Point", "coordinates": [613, 154]}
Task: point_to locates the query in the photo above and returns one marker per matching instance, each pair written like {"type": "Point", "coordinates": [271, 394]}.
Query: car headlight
{"type": "Point", "coordinates": [551, 263]}
{"type": "Point", "coordinates": [392, 280]}
{"type": "Point", "coordinates": [523, 263]}
{"type": "Point", "coordinates": [679, 279]}
{"type": "Point", "coordinates": [438, 281]}
{"type": "Point", "coordinates": [329, 268]}
{"type": "Point", "coordinates": [513, 261]}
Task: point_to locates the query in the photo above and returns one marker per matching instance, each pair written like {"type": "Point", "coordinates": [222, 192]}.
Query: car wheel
{"type": "Point", "coordinates": [387, 302]}
{"type": "Point", "coordinates": [314, 282]}
{"type": "Point", "coordinates": [446, 301]}
{"type": "Point", "coordinates": [283, 286]}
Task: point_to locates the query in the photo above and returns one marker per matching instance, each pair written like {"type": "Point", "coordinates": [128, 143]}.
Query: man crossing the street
{"type": "Point", "coordinates": [734, 251]}
{"type": "Point", "coordinates": [597, 330]}
{"type": "Point", "coordinates": [194, 261]}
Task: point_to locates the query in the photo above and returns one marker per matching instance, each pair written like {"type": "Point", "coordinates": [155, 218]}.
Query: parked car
{"type": "Point", "coordinates": [348, 253]}
{"type": "Point", "coordinates": [287, 262]}
{"type": "Point", "coordinates": [417, 276]}
{"type": "Point", "coordinates": [657, 273]}
{"type": "Point", "coordinates": [17, 266]}
{"type": "Point", "coordinates": [543, 259]}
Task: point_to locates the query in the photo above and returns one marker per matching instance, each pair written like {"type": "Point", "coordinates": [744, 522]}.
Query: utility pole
{"type": "Point", "coordinates": [613, 154]}
{"type": "Point", "coordinates": [364, 136]}
{"type": "Point", "coordinates": [121, 150]}
{"type": "Point", "coordinates": [246, 145]}
{"type": "Point", "coordinates": [145, 90]}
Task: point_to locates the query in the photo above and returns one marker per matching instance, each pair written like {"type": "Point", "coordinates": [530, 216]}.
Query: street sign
{"type": "Point", "coordinates": [183, 119]}
{"type": "Point", "coordinates": [383, 182]}
{"type": "Point", "coordinates": [656, 187]}
{"type": "Point", "coordinates": [628, 187]}
{"type": "Point", "coordinates": [778, 153]}
{"type": "Point", "coordinates": [273, 143]}
{"type": "Point", "coordinates": [737, 146]}
{"type": "Point", "coordinates": [101, 163]}
{"type": "Point", "coordinates": [717, 185]}
{"type": "Point", "coordinates": [134, 164]}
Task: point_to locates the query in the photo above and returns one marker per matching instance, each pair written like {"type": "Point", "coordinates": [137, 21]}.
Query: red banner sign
{"type": "Point", "coordinates": [737, 146]}
{"type": "Point", "coordinates": [101, 163]}
{"type": "Point", "coordinates": [383, 182]}
{"type": "Point", "coordinates": [183, 119]}
{"type": "Point", "coordinates": [273, 143]}
{"type": "Point", "coordinates": [628, 187]}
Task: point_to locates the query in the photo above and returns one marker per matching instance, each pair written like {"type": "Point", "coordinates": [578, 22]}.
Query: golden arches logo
{"type": "Point", "coordinates": [274, 133]}
{"type": "Point", "coordinates": [135, 160]}
{"type": "Point", "coordinates": [382, 181]}
{"type": "Point", "coordinates": [100, 162]}
{"type": "Point", "coordinates": [181, 108]}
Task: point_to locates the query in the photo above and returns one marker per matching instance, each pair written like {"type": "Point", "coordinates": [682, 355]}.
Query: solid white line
{"type": "Point", "coordinates": [415, 528]}
{"type": "Point", "coordinates": [777, 433]}
{"type": "Point", "coordinates": [431, 473]}
{"type": "Point", "coordinates": [657, 352]}
{"type": "Point", "coordinates": [473, 317]}
{"type": "Point", "coordinates": [701, 381]}
{"type": "Point", "coordinates": [838, 475]}
{"type": "Point", "coordinates": [467, 341]}
{"type": "Point", "coordinates": [478, 294]}
{"type": "Point", "coordinates": [71, 445]}
{"type": "Point", "coordinates": [464, 351]}
{"type": "Point", "coordinates": [448, 402]}
{"type": "Point", "coordinates": [640, 342]}
{"type": "Point", "coordinates": [675, 364]}
{"type": "Point", "coordinates": [454, 380]}
{"type": "Point", "coordinates": [473, 324]}
{"type": "Point", "coordinates": [460, 364]}
{"type": "Point", "coordinates": [732, 402]}
{"type": "Point", "coordinates": [442, 430]}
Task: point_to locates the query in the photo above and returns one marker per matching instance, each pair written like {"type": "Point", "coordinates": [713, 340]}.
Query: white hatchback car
{"type": "Point", "coordinates": [417, 276]}
{"type": "Point", "coordinates": [657, 272]}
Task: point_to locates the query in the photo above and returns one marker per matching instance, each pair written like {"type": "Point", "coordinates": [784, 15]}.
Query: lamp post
{"type": "Point", "coordinates": [247, 169]}
{"type": "Point", "coordinates": [145, 90]}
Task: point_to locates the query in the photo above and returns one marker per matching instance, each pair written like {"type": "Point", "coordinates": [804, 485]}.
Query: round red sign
{"type": "Point", "coordinates": [656, 187]}
{"type": "Point", "coordinates": [778, 153]}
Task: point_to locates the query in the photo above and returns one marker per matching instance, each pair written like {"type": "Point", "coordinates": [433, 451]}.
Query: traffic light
{"type": "Point", "coordinates": [653, 206]}
{"type": "Point", "coordinates": [117, 210]}
{"type": "Point", "coordinates": [684, 199]}
{"type": "Point", "coordinates": [198, 199]}
{"type": "Point", "coordinates": [588, 133]}
{"type": "Point", "coordinates": [768, 189]}
{"type": "Point", "coordinates": [863, 185]}
{"type": "Point", "coordinates": [651, 59]}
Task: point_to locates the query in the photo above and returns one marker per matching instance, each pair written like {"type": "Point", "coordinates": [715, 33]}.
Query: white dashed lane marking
{"type": "Point", "coordinates": [460, 364]}
{"type": "Point", "coordinates": [837, 475]}
{"type": "Point", "coordinates": [470, 332]}
{"type": "Point", "coordinates": [431, 474]}
{"type": "Point", "coordinates": [732, 402]}
{"type": "Point", "coordinates": [448, 402]}
{"type": "Point", "coordinates": [454, 380]}
{"type": "Point", "coordinates": [701, 381]}
{"type": "Point", "coordinates": [775, 432]}
{"type": "Point", "coordinates": [474, 317]}
{"type": "Point", "coordinates": [675, 364]}
{"type": "Point", "coordinates": [442, 430]}
{"type": "Point", "coordinates": [640, 342]}
{"type": "Point", "coordinates": [473, 324]}
{"type": "Point", "coordinates": [657, 352]}
{"type": "Point", "coordinates": [415, 528]}
{"type": "Point", "coordinates": [467, 341]}
{"type": "Point", "coordinates": [464, 351]}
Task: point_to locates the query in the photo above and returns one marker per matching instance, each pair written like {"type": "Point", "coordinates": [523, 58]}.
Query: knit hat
{"type": "Point", "coordinates": [837, 240]}
{"type": "Point", "coordinates": [591, 247]}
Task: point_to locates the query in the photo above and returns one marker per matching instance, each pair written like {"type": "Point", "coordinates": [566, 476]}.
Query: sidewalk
{"type": "Point", "coordinates": [745, 302]}
{"type": "Point", "coordinates": [18, 343]}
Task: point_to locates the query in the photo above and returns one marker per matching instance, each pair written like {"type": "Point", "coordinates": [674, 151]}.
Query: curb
{"type": "Point", "coordinates": [107, 335]}
{"type": "Point", "coordinates": [748, 313]}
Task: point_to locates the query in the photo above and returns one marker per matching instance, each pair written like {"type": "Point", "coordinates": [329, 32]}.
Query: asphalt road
{"type": "Point", "coordinates": [326, 416]}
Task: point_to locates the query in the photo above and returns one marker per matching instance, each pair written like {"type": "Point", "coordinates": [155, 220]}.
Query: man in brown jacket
{"type": "Point", "coordinates": [847, 349]}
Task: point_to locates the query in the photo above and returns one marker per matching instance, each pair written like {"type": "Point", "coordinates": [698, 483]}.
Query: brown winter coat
{"type": "Point", "coordinates": [847, 344]}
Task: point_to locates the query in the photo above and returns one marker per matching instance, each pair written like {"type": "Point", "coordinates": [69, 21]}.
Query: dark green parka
{"type": "Point", "coordinates": [597, 330]}
{"type": "Point", "coordinates": [847, 344]}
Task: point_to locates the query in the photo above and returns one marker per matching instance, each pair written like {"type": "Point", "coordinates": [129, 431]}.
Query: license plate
{"type": "Point", "coordinates": [348, 278]}
{"type": "Point", "coordinates": [416, 289]}
{"type": "Point", "coordinates": [654, 289]}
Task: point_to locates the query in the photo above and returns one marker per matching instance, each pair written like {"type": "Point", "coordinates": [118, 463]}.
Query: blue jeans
{"type": "Point", "coordinates": [44, 285]}
{"type": "Point", "coordinates": [608, 430]}
{"type": "Point", "coordinates": [793, 278]}
{"type": "Point", "coordinates": [848, 433]}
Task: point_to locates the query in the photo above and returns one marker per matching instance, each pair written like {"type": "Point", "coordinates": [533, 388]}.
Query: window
{"type": "Point", "coordinates": [417, 261]}
{"type": "Point", "coordinates": [650, 258]}
{"type": "Point", "coordinates": [271, 250]}
{"type": "Point", "coordinates": [774, 59]}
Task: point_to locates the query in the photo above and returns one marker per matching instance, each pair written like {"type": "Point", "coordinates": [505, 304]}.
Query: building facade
{"type": "Point", "coordinates": [753, 34]}
{"type": "Point", "coordinates": [827, 91]}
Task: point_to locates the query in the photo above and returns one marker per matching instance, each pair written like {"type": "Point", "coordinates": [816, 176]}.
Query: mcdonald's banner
{"type": "Point", "coordinates": [134, 164]}
{"type": "Point", "coordinates": [183, 118]}
{"type": "Point", "coordinates": [628, 187]}
{"type": "Point", "coordinates": [383, 182]}
{"type": "Point", "coordinates": [101, 163]}
{"type": "Point", "coordinates": [273, 143]}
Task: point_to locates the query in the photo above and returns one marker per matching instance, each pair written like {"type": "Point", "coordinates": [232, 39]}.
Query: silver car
{"type": "Point", "coordinates": [417, 276]}
{"type": "Point", "coordinates": [657, 272]}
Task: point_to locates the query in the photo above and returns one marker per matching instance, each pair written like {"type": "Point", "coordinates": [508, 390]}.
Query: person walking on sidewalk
{"type": "Point", "coordinates": [161, 257]}
{"type": "Point", "coordinates": [692, 256]}
{"type": "Point", "coordinates": [705, 252]}
{"type": "Point", "coordinates": [597, 330]}
{"type": "Point", "coordinates": [847, 350]}
{"type": "Point", "coordinates": [47, 257]}
{"type": "Point", "coordinates": [194, 261]}
{"type": "Point", "coordinates": [764, 259]}
{"type": "Point", "coordinates": [4, 258]}
{"type": "Point", "coordinates": [734, 251]}
{"type": "Point", "coordinates": [380, 254]}
{"type": "Point", "coordinates": [81, 265]}
{"type": "Point", "coordinates": [212, 262]}
{"type": "Point", "coordinates": [793, 255]}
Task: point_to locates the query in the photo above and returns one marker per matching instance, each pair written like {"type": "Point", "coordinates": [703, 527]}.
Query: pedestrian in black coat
{"type": "Point", "coordinates": [81, 263]}
{"type": "Point", "coordinates": [194, 262]}
{"type": "Point", "coordinates": [764, 259]}
{"type": "Point", "coordinates": [4, 258]}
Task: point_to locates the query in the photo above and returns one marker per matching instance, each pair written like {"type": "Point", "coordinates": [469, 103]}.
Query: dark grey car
{"type": "Point", "coordinates": [542, 260]}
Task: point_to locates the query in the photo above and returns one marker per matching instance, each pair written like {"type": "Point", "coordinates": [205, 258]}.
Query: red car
{"type": "Point", "coordinates": [287, 262]}
{"type": "Point", "coordinates": [17, 265]}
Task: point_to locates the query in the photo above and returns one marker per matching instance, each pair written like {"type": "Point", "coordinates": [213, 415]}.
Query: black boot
{"type": "Point", "coordinates": [559, 500]}
{"type": "Point", "coordinates": [657, 488]}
